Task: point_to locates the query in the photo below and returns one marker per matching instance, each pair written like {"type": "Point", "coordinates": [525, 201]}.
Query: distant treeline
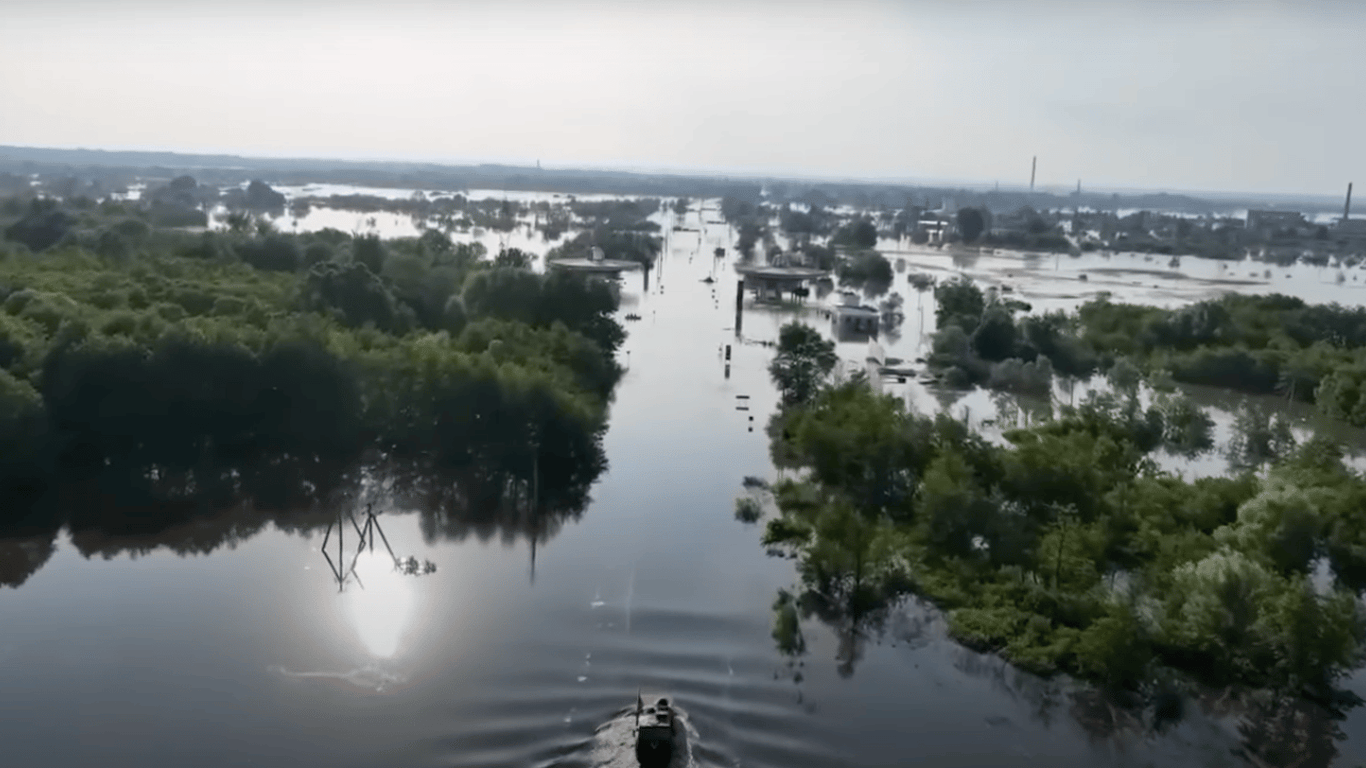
{"type": "Point", "coordinates": [224, 170]}
{"type": "Point", "coordinates": [229, 169]}
{"type": "Point", "coordinates": [1266, 345]}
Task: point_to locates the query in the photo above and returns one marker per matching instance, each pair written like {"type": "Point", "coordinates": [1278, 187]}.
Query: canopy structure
{"type": "Point", "coordinates": [771, 282]}
{"type": "Point", "coordinates": [595, 263]}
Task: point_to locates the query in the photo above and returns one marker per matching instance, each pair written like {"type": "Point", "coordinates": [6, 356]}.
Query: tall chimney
{"type": "Point", "coordinates": [1032, 168]}
{"type": "Point", "coordinates": [1347, 206]}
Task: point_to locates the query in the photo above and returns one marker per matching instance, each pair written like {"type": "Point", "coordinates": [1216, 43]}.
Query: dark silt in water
{"type": "Point", "coordinates": [514, 654]}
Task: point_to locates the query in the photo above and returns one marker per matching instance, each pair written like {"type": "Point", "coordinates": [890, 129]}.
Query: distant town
{"type": "Point", "coordinates": [1275, 229]}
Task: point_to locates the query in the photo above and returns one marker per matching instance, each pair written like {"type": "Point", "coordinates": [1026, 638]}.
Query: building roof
{"type": "Point", "coordinates": [787, 273]}
{"type": "Point", "coordinates": [1255, 214]}
{"type": "Point", "coordinates": [862, 310]}
{"type": "Point", "coordinates": [595, 265]}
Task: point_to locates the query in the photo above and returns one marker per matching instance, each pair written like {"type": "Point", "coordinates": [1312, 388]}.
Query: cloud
{"type": "Point", "coordinates": [1178, 95]}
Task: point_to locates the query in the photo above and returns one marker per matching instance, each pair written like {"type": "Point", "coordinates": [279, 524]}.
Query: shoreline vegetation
{"type": "Point", "coordinates": [166, 366]}
{"type": "Point", "coordinates": [1260, 345]}
{"type": "Point", "coordinates": [1064, 547]}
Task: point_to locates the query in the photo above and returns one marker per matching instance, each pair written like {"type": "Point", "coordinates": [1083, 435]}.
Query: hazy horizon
{"type": "Point", "coordinates": [1187, 97]}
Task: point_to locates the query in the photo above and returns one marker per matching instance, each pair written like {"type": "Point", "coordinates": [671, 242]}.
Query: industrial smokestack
{"type": "Point", "coordinates": [1034, 166]}
{"type": "Point", "coordinates": [1347, 206]}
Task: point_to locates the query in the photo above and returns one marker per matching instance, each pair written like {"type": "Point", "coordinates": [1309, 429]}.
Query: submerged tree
{"type": "Point", "coordinates": [971, 223]}
{"type": "Point", "coordinates": [803, 362]}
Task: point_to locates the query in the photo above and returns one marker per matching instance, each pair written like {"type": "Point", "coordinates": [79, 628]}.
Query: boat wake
{"type": "Point", "coordinates": [368, 677]}
{"type": "Point", "coordinates": [614, 744]}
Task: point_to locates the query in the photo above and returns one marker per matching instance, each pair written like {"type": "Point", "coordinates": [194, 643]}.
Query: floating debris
{"type": "Point", "coordinates": [411, 567]}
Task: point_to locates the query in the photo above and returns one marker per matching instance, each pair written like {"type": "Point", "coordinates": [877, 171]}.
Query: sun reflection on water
{"type": "Point", "coordinates": [381, 609]}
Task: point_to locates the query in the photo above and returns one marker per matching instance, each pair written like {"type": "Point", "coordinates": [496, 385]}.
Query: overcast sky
{"type": "Point", "coordinates": [1186, 95]}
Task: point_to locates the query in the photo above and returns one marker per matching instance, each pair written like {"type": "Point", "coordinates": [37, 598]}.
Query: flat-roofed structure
{"type": "Point", "coordinates": [854, 320]}
{"type": "Point", "coordinates": [1274, 219]}
{"type": "Point", "coordinates": [1350, 229]}
{"type": "Point", "coordinates": [769, 283]}
{"type": "Point", "coordinates": [595, 263]}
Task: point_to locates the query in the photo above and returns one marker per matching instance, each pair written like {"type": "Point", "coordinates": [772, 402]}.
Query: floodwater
{"type": "Point", "coordinates": [389, 224]}
{"type": "Point", "coordinates": [522, 652]}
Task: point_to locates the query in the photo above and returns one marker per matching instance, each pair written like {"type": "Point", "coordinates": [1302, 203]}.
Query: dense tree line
{"type": "Point", "coordinates": [813, 221]}
{"type": "Point", "coordinates": [198, 356]}
{"type": "Point", "coordinates": [632, 215]}
{"type": "Point", "coordinates": [1066, 549]}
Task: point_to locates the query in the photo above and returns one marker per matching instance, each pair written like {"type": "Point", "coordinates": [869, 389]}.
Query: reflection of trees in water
{"type": "Point", "coordinates": [509, 503]}
{"type": "Point", "coordinates": [20, 558]}
{"type": "Point", "coordinates": [788, 637]}
{"type": "Point", "coordinates": [200, 535]}
{"type": "Point", "coordinates": [946, 397]}
{"type": "Point", "coordinates": [1042, 698]}
{"type": "Point", "coordinates": [855, 609]}
{"type": "Point", "coordinates": [965, 259]}
{"type": "Point", "coordinates": [1290, 732]}
{"type": "Point", "coordinates": [136, 511]}
{"type": "Point", "coordinates": [1260, 435]}
{"type": "Point", "coordinates": [1272, 731]}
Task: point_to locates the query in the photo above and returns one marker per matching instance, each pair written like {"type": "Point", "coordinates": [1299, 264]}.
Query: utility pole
{"type": "Point", "coordinates": [1347, 206]}
{"type": "Point", "coordinates": [739, 305]}
{"type": "Point", "coordinates": [1032, 168]}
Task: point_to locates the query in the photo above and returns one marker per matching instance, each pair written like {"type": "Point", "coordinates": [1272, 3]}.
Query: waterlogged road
{"type": "Point", "coordinates": [514, 656]}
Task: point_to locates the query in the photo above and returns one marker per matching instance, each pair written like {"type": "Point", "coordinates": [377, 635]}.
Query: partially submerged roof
{"type": "Point", "coordinates": [863, 311]}
{"type": "Point", "coordinates": [781, 273]}
{"type": "Point", "coordinates": [595, 265]}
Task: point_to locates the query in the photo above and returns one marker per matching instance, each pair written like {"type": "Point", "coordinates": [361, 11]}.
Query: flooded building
{"type": "Point", "coordinates": [853, 320]}
{"type": "Point", "coordinates": [1274, 221]}
{"type": "Point", "coordinates": [932, 230]}
{"type": "Point", "coordinates": [596, 263]}
{"type": "Point", "coordinates": [773, 282]}
{"type": "Point", "coordinates": [1351, 230]}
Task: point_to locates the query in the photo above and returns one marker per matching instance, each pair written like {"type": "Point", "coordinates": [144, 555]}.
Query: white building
{"type": "Point", "coordinates": [853, 319]}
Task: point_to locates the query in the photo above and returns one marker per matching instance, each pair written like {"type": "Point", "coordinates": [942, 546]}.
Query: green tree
{"type": "Point", "coordinates": [803, 362]}
{"type": "Point", "coordinates": [857, 234]}
{"type": "Point", "coordinates": [583, 305]}
{"type": "Point", "coordinates": [43, 226]}
{"type": "Point", "coordinates": [959, 302]}
{"type": "Point", "coordinates": [512, 258]}
{"type": "Point", "coordinates": [994, 337]}
{"type": "Point", "coordinates": [971, 223]}
{"type": "Point", "coordinates": [370, 251]}
{"type": "Point", "coordinates": [357, 296]}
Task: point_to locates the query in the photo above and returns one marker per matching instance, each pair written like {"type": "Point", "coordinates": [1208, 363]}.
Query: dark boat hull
{"type": "Point", "coordinates": [654, 753]}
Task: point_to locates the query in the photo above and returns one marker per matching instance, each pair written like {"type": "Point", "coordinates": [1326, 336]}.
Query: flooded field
{"type": "Point", "coordinates": [523, 649]}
